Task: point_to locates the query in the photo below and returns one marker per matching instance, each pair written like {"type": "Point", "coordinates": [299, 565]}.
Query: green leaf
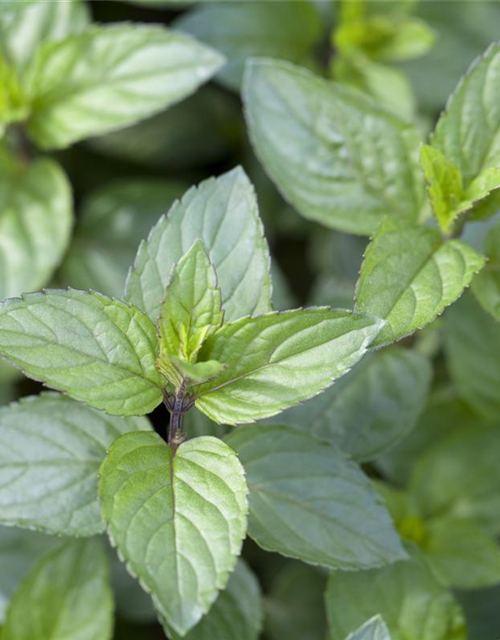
{"type": "Point", "coordinates": [13, 105]}
{"type": "Point", "coordinates": [387, 85]}
{"type": "Point", "coordinates": [124, 211]}
{"type": "Point", "coordinates": [381, 36]}
{"type": "Point", "coordinates": [96, 349]}
{"type": "Point", "coordinates": [24, 26]}
{"type": "Point", "coordinates": [445, 186]}
{"type": "Point", "coordinates": [109, 77]}
{"type": "Point", "coordinates": [189, 510]}
{"type": "Point", "coordinates": [373, 629]}
{"type": "Point", "coordinates": [309, 501]}
{"type": "Point", "coordinates": [486, 285]}
{"type": "Point", "coordinates": [278, 30]}
{"type": "Point", "coordinates": [361, 161]}
{"type": "Point", "coordinates": [467, 132]}
{"type": "Point", "coordinates": [194, 372]}
{"type": "Point", "coordinates": [237, 612]}
{"type": "Point", "coordinates": [223, 213]}
{"type": "Point", "coordinates": [459, 477]}
{"type": "Point", "coordinates": [370, 409]}
{"type": "Point", "coordinates": [192, 310]}
{"type": "Point", "coordinates": [66, 594]}
{"type": "Point", "coordinates": [35, 223]}
{"type": "Point", "coordinates": [462, 553]}
{"type": "Point", "coordinates": [19, 550]}
{"type": "Point", "coordinates": [444, 413]}
{"type": "Point", "coordinates": [473, 353]}
{"type": "Point", "coordinates": [275, 361]}
{"type": "Point", "coordinates": [410, 275]}
{"type": "Point", "coordinates": [51, 448]}
{"type": "Point", "coordinates": [294, 604]}
{"type": "Point", "coordinates": [406, 594]}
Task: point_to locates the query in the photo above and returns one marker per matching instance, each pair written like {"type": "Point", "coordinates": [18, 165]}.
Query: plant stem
{"type": "Point", "coordinates": [177, 407]}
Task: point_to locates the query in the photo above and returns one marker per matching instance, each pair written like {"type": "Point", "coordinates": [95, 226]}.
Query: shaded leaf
{"type": "Point", "coordinates": [406, 594]}
{"type": "Point", "coordinates": [309, 501]}
{"type": "Point", "coordinates": [51, 448]}
{"type": "Point", "coordinates": [237, 612]}
{"type": "Point", "coordinates": [125, 212]}
{"type": "Point", "coordinates": [279, 30]}
{"type": "Point", "coordinates": [336, 156]}
{"type": "Point", "coordinates": [67, 591]}
{"type": "Point", "coordinates": [472, 343]}
{"type": "Point", "coordinates": [19, 550]}
{"type": "Point", "coordinates": [371, 408]}
{"type": "Point", "coordinates": [36, 217]}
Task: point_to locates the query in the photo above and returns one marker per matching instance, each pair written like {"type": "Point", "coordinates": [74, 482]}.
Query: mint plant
{"type": "Point", "coordinates": [258, 425]}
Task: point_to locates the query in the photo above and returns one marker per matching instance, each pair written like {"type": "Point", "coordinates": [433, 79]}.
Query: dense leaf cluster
{"type": "Point", "coordinates": [299, 475]}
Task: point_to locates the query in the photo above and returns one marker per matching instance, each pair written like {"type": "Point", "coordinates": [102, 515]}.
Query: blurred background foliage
{"type": "Point", "coordinates": [409, 56]}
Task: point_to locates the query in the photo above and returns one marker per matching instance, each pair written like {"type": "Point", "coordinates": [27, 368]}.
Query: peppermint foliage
{"type": "Point", "coordinates": [299, 476]}
{"type": "Point", "coordinates": [73, 581]}
{"type": "Point", "coordinates": [193, 505]}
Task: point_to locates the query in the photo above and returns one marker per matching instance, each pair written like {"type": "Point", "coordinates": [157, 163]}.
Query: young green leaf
{"type": "Point", "coordinates": [371, 408]}
{"type": "Point", "coordinates": [223, 213]}
{"type": "Point", "coordinates": [309, 501]}
{"type": "Point", "coordinates": [19, 550]}
{"type": "Point", "coordinates": [24, 26]}
{"type": "Point", "coordinates": [409, 276]}
{"type": "Point", "coordinates": [237, 612]}
{"type": "Point", "coordinates": [177, 370]}
{"type": "Point", "coordinates": [13, 104]}
{"type": "Point", "coordinates": [124, 211]}
{"type": "Point", "coordinates": [66, 593]}
{"type": "Point", "coordinates": [486, 285]}
{"type": "Point", "coordinates": [448, 197]}
{"type": "Point", "coordinates": [373, 629]}
{"type": "Point", "coordinates": [97, 350]}
{"type": "Point", "coordinates": [406, 594]}
{"type": "Point", "coordinates": [472, 345]}
{"type": "Point", "coordinates": [350, 180]}
{"type": "Point", "coordinates": [366, 28]}
{"type": "Point", "coordinates": [275, 361]}
{"type": "Point", "coordinates": [192, 310]}
{"type": "Point", "coordinates": [189, 510]}
{"type": "Point", "coordinates": [463, 554]}
{"type": "Point", "coordinates": [51, 448]}
{"type": "Point", "coordinates": [109, 77]}
{"type": "Point", "coordinates": [35, 225]}
{"type": "Point", "coordinates": [444, 184]}
{"type": "Point", "coordinates": [240, 30]}
{"type": "Point", "coordinates": [467, 132]}
{"type": "Point", "coordinates": [448, 481]}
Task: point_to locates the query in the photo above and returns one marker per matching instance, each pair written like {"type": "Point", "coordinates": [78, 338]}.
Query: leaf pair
{"type": "Point", "coordinates": [80, 81]}
{"type": "Point", "coordinates": [107, 353]}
